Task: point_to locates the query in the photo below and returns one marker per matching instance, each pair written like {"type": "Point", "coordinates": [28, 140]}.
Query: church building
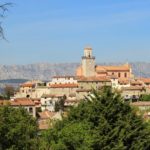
{"type": "Point", "coordinates": [89, 69]}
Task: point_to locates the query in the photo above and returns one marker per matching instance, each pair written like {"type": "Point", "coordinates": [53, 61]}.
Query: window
{"type": "Point", "coordinates": [119, 75]}
{"type": "Point", "coordinates": [50, 102]}
{"type": "Point", "coordinates": [112, 73]}
{"type": "Point", "coordinates": [30, 110]}
{"type": "Point", "coordinates": [125, 74]}
{"type": "Point", "coordinates": [28, 96]}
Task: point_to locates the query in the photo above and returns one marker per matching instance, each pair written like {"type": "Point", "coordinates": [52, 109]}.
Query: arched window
{"type": "Point", "coordinates": [119, 74]}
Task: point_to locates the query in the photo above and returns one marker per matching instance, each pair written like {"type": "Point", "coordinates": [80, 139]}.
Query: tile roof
{"type": "Point", "coordinates": [145, 80]}
{"type": "Point", "coordinates": [18, 102]}
{"type": "Point", "coordinates": [45, 118]}
{"type": "Point", "coordinates": [46, 114]}
{"type": "Point", "coordinates": [43, 125]}
{"type": "Point", "coordinates": [22, 102]}
{"type": "Point", "coordinates": [112, 68]}
{"type": "Point", "coordinates": [28, 85]}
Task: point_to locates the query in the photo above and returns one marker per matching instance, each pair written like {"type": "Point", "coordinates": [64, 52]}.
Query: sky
{"type": "Point", "coordinates": [56, 31]}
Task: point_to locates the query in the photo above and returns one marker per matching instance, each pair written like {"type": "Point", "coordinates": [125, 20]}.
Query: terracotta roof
{"type": "Point", "coordinates": [22, 102]}
{"type": "Point", "coordinates": [46, 114]}
{"type": "Point", "coordinates": [18, 102]}
{"type": "Point", "coordinates": [35, 99]}
{"type": "Point", "coordinates": [113, 68]}
{"type": "Point", "coordinates": [44, 121]}
{"type": "Point", "coordinates": [141, 103]}
{"type": "Point", "coordinates": [28, 85]}
{"type": "Point", "coordinates": [43, 125]}
{"type": "Point", "coordinates": [145, 80]}
{"type": "Point", "coordinates": [101, 70]}
{"type": "Point", "coordinates": [64, 85]}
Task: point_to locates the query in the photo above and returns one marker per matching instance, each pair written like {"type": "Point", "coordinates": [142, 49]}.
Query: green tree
{"type": "Point", "coordinates": [18, 130]}
{"type": "Point", "coordinates": [59, 105]}
{"type": "Point", "coordinates": [145, 97]}
{"type": "Point", "coordinates": [102, 121]}
{"type": "Point", "coordinates": [8, 91]}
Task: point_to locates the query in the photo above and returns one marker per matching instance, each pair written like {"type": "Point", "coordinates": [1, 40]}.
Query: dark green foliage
{"type": "Point", "coordinates": [18, 130]}
{"type": "Point", "coordinates": [59, 105]}
{"type": "Point", "coordinates": [145, 97]}
{"type": "Point", "coordinates": [101, 122]}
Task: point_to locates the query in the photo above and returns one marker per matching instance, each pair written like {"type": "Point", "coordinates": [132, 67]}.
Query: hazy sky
{"type": "Point", "coordinates": [57, 31]}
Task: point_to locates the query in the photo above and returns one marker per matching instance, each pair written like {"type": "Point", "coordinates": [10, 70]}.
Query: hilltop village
{"type": "Point", "coordinates": [88, 76]}
{"type": "Point", "coordinates": [71, 90]}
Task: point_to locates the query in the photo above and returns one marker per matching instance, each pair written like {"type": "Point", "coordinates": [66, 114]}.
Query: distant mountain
{"type": "Point", "coordinates": [45, 71]}
{"type": "Point", "coordinates": [41, 71]}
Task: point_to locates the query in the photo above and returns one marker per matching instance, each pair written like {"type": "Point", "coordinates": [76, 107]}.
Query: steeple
{"type": "Point", "coordinates": [88, 63]}
{"type": "Point", "coordinates": [88, 52]}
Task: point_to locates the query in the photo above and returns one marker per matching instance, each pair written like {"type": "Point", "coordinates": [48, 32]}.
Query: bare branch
{"type": "Point", "coordinates": [3, 10]}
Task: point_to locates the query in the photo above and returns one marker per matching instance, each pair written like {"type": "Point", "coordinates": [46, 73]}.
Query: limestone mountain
{"type": "Point", "coordinates": [45, 71]}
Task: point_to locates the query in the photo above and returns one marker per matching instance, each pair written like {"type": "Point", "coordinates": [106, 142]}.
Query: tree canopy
{"type": "Point", "coordinates": [102, 121]}
{"type": "Point", "coordinates": [8, 91]}
{"type": "Point", "coordinates": [18, 130]}
{"type": "Point", "coordinates": [145, 97]}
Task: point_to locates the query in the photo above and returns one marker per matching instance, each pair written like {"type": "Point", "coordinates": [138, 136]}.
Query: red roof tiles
{"type": "Point", "coordinates": [145, 80]}
{"type": "Point", "coordinates": [22, 102]}
{"type": "Point", "coordinates": [112, 68]}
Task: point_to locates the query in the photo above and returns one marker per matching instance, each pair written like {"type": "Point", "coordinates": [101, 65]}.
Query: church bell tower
{"type": "Point", "coordinates": [88, 63]}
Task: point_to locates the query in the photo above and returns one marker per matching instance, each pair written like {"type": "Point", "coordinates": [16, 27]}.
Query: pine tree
{"type": "Point", "coordinates": [102, 121]}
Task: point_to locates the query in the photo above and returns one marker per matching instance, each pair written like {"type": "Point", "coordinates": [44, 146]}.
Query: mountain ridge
{"type": "Point", "coordinates": [45, 71]}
